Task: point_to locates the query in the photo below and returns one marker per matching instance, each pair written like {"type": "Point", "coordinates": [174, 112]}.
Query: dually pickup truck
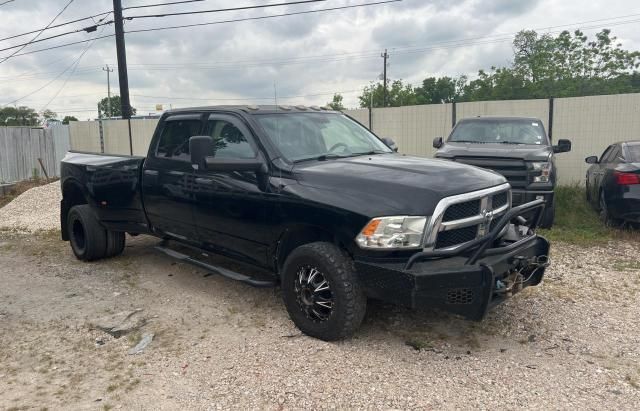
{"type": "Point", "coordinates": [310, 200]}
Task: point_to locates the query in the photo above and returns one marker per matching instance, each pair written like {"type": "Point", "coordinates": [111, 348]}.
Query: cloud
{"type": "Point", "coordinates": [303, 55]}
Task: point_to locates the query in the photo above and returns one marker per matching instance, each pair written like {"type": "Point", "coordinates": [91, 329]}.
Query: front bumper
{"type": "Point", "coordinates": [467, 281]}
{"type": "Point", "coordinates": [524, 196]}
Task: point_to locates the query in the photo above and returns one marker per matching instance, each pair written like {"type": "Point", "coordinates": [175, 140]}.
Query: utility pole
{"type": "Point", "coordinates": [122, 59]}
{"type": "Point", "coordinates": [385, 56]}
{"type": "Point", "coordinates": [108, 70]}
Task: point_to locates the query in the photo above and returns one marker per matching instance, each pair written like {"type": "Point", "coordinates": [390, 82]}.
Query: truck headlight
{"type": "Point", "coordinates": [545, 172]}
{"type": "Point", "coordinates": [392, 233]}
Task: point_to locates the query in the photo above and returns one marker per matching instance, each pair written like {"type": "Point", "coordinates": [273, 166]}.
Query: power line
{"type": "Point", "coordinates": [264, 17]}
{"type": "Point", "coordinates": [5, 2]}
{"type": "Point", "coordinates": [261, 6]}
{"type": "Point", "coordinates": [210, 23]}
{"type": "Point", "coordinates": [58, 25]}
{"type": "Point", "coordinates": [63, 45]}
{"type": "Point", "coordinates": [53, 80]}
{"type": "Point", "coordinates": [143, 6]}
{"type": "Point", "coordinates": [88, 29]}
{"type": "Point", "coordinates": [75, 66]}
{"type": "Point", "coordinates": [39, 33]}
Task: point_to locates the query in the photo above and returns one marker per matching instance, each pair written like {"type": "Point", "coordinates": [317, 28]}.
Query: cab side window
{"type": "Point", "coordinates": [174, 139]}
{"type": "Point", "coordinates": [228, 140]}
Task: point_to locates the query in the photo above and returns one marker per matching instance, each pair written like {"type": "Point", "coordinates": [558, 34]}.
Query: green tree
{"type": "Point", "coordinates": [336, 103]}
{"type": "Point", "coordinates": [440, 90]}
{"type": "Point", "coordinates": [48, 115]}
{"type": "Point", "coordinates": [67, 119]}
{"type": "Point", "coordinates": [18, 116]}
{"type": "Point", "coordinates": [398, 94]}
{"type": "Point", "coordinates": [116, 107]}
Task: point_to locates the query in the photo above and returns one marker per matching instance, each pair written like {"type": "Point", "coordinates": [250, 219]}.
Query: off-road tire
{"type": "Point", "coordinates": [350, 302]}
{"type": "Point", "coordinates": [87, 237]}
{"type": "Point", "coordinates": [115, 243]}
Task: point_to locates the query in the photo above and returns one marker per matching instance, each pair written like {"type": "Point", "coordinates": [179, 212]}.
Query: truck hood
{"type": "Point", "coordinates": [388, 184]}
{"type": "Point", "coordinates": [517, 151]}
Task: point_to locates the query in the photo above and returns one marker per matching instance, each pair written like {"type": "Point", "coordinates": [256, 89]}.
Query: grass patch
{"type": "Point", "coordinates": [626, 265]}
{"type": "Point", "coordinates": [578, 223]}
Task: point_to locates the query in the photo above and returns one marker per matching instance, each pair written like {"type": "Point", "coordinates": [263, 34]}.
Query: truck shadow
{"type": "Point", "coordinates": [251, 308]}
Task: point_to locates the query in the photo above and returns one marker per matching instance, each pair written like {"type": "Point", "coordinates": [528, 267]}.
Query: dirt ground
{"type": "Point", "coordinates": [573, 342]}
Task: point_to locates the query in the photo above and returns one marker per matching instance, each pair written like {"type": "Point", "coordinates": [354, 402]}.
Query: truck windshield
{"type": "Point", "coordinates": [306, 136]}
{"type": "Point", "coordinates": [505, 131]}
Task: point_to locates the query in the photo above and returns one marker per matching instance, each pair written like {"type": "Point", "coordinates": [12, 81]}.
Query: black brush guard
{"type": "Point", "coordinates": [463, 280]}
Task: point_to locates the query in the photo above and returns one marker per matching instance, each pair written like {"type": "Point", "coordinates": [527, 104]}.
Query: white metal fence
{"type": "Point", "coordinates": [592, 123]}
{"type": "Point", "coordinates": [21, 147]}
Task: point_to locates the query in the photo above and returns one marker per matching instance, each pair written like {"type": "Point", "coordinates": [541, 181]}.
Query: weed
{"type": "Point", "coordinates": [578, 223]}
{"type": "Point", "coordinates": [626, 265]}
{"type": "Point", "coordinates": [419, 344]}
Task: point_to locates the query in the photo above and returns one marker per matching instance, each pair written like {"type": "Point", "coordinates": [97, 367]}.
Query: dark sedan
{"type": "Point", "coordinates": [613, 183]}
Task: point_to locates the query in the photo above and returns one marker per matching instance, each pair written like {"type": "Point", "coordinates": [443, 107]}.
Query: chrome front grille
{"type": "Point", "coordinates": [463, 218]}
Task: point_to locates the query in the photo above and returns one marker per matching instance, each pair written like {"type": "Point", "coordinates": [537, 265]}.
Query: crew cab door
{"type": "Point", "coordinates": [233, 209]}
{"type": "Point", "coordinates": [167, 179]}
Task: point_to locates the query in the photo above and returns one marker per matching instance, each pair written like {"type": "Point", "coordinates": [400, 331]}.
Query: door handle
{"type": "Point", "coordinates": [151, 172]}
{"type": "Point", "coordinates": [207, 181]}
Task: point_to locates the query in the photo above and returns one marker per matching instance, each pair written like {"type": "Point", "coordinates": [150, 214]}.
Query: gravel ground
{"type": "Point", "coordinates": [35, 209]}
{"type": "Point", "coordinates": [572, 342]}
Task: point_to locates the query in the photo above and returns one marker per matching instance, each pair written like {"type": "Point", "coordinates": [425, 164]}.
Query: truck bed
{"type": "Point", "coordinates": [112, 184]}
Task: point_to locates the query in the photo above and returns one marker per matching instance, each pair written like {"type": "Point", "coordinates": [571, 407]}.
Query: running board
{"type": "Point", "coordinates": [218, 270]}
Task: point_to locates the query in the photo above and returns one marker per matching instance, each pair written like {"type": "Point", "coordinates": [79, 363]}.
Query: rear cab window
{"type": "Point", "coordinates": [174, 138]}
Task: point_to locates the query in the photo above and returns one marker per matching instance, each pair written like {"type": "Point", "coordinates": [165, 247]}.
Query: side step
{"type": "Point", "coordinates": [218, 270]}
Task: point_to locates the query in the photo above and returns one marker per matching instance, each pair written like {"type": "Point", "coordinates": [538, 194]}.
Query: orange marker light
{"type": "Point", "coordinates": [371, 228]}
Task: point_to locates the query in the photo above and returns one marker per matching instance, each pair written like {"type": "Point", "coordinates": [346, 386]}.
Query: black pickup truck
{"type": "Point", "coordinates": [516, 147]}
{"type": "Point", "coordinates": [312, 201]}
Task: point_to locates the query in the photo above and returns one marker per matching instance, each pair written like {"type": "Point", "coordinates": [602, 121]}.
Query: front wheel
{"type": "Point", "coordinates": [322, 293]}
{"type": "Point", "coordinates": [549, 215]}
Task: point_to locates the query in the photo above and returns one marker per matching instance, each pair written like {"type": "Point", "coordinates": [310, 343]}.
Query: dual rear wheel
{"type": "Point", "coordinates": [89, 240]}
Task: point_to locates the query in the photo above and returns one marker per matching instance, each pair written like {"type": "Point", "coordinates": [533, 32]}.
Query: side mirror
{"type": "Point", "coordinates": [438, 142]}
{"type": "Point", "coordinates": [591, 160]}
{"type": "Point", "coordinates": [199, 148]}
{"type": "Point", "coordinates": [236, 164]}
{"type": "Point", "coordinates": [390, 143]}
{"type": "Point", "coordinates": [564, 146]}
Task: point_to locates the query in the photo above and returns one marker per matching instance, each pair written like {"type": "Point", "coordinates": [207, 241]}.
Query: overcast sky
{"type": "Point", "coordinates": [303, 58]}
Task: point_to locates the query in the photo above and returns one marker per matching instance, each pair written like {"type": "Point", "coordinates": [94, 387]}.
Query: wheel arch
{"type": "Point", "coordinates": [295, 236]}
{"type": "Point", "coordinates": [72, 195]}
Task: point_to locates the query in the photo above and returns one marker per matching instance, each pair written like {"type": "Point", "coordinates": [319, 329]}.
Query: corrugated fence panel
{"type": "Point", "coordinates": [142, 132]}
{"type": "Point", "coordinates": [592, 124]}
{"type": "Point", "coordinates": [522, 108]}
{"type": "Point", "coordinates": [85, 136]}
{"type": "Point", "coordinates": [61, 144]}
{"type": "Point", "coordinates": [413, 127]}
{"type": "Point", "coordinates": [361, 115]}
{"type": "Point", "coordinates": [116, 137]}
{"type": "Point", "coordinates": [20, 149]}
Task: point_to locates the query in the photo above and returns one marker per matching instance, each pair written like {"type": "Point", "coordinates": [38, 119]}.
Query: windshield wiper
{"type": "Point", "coordinates": [467, 141]}
{"type": "Point", "coordinates": [509, 142]}
{"type": "Point", "coordinates": [322, 157]}
{"type": "Point", "coordinates": [369, 153]}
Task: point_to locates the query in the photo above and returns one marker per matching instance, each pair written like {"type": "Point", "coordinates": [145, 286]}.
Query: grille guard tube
{"type": "Point", "coordinates": [480, 245]}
